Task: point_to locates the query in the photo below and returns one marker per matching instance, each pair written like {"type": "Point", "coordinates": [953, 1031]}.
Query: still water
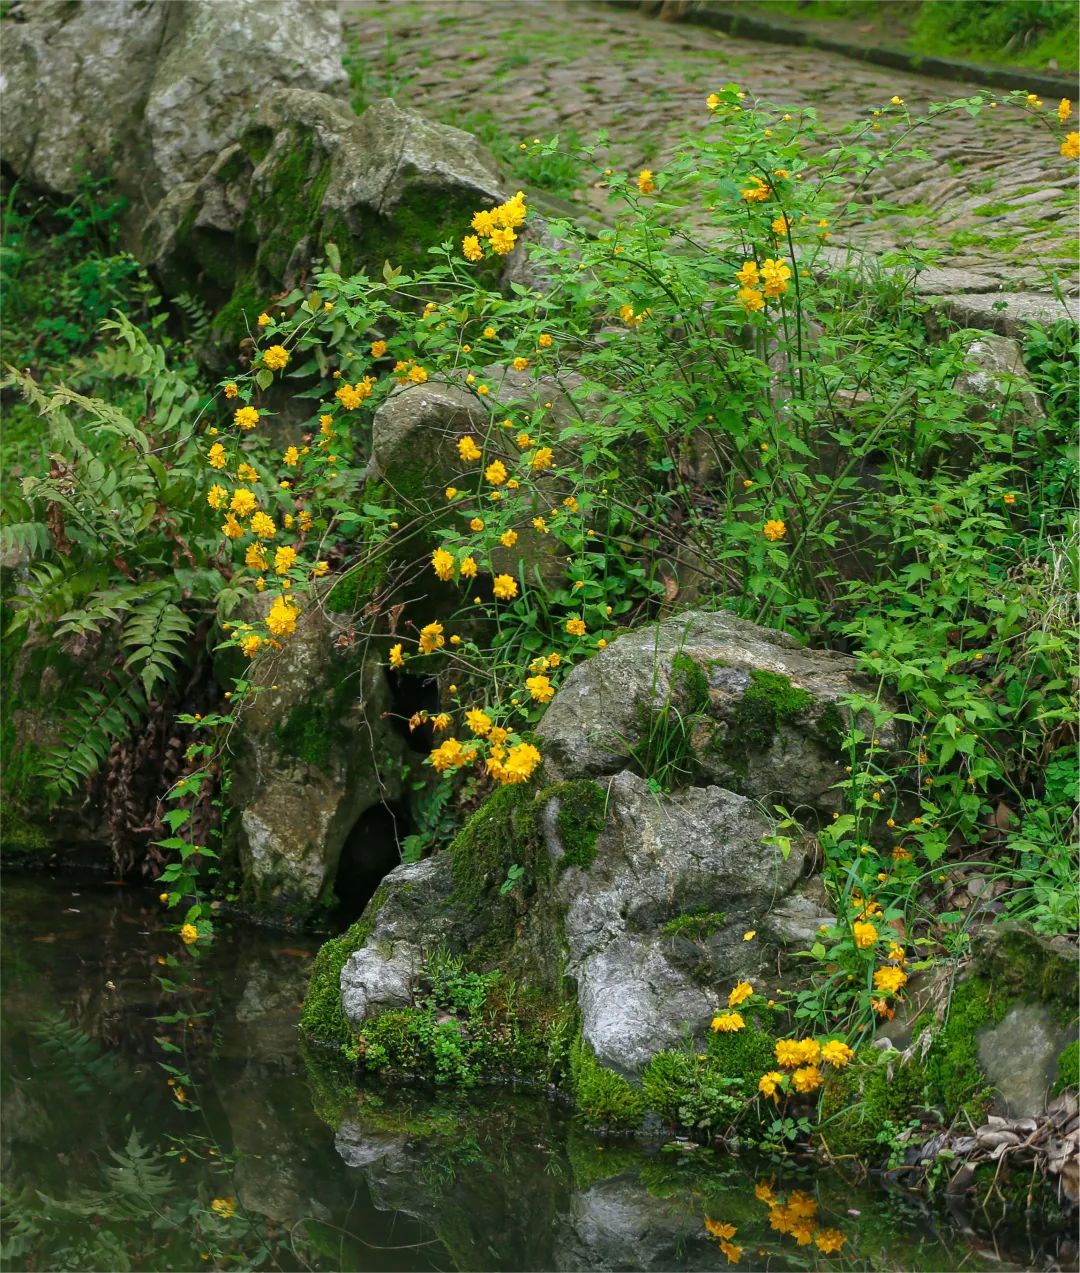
{"type": "Point", "coordinates": [253, 1158]}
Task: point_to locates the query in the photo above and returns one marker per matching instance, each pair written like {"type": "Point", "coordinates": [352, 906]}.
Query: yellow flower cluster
{"type": "Point", "coordinates": [760, 283]}
{"type": "Point", "coordinates": [797, 1218]}
{"type": "Point", "coordinates": [496, 227]}
{"type": "Point", "coordinates": [723, 1234]}
{"type": "Point", "coordinates": [351, 396]}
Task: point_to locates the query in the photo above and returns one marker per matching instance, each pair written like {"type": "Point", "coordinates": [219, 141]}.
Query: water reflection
{"type": "Point", "coordinates": [276, 1160]}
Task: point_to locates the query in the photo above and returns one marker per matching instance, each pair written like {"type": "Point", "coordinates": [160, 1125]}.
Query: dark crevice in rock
{"type": "Point", "coordinates": [370, 853]}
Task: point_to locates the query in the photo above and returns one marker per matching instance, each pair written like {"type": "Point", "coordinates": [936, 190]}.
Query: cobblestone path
{"type": "Point", "coordinates": [995, 199]}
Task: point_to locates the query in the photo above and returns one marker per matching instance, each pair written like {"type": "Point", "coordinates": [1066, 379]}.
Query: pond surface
{"type": "Point", "coordinates": [108, 1165]}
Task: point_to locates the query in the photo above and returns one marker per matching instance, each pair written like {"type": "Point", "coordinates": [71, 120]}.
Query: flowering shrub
{"type": "Point", "coordinates": [702, 406]}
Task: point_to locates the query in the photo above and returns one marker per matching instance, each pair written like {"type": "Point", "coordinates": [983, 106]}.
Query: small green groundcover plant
{"type": "Point", "coordinates": [697, 407]}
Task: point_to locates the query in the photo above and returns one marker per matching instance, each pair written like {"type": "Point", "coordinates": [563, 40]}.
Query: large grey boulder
{"type": "Point", "coordinates": [152, 91]}
{"type": "Point", "coordinates": [312, 753]}
{"type": "Point", "coordinates": [752, 709]}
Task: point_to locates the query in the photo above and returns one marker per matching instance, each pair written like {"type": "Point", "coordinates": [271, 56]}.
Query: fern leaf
{"type": "Point", "coordinates": [156, 632]}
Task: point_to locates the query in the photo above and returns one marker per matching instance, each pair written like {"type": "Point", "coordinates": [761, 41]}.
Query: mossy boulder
{"type": "Point", "coordinates": [710, 699]}
{"type": "Point", "coordinates": [312, 754]}
{"type": "Point", "coordinates": [305, 172]}
{"type": "Point", "coordinates": [151, 91]}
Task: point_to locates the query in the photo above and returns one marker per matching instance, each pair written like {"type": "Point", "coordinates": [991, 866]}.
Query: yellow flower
{"type": "Point", "coordinates": [217, 496]}
{"type": "Point", "coordinates": [224, 1207]}
{"type": "Point", "coordinates": [519, 764]}
{"type": "Point", "coordinates": [478, 721]}
{"type": "Point", "coordinates": [774, 530]}
{"type": "Point", "coordinates": [246, 473]}
{"type": "Point", "coordinates": [216, 456]}
{"type": "Point", "coordinates": [829, 1241]}
{"type": "Point", "coordinates": [1070, 147]}
{"type": "Point", "coordinates": [476, 524]}
{"type": "Point", "coordinates": [809, 1052]}
{"type": "Point", "coordinates": [601, 644]}
{"type": "Point", "coordinates": [788, 1053]}
{"type": "Point", "coordinates": [750, 299]}
{"type": "Point", "coordinates": [282, 617]}
{"type": "Point", "coordinates": [397, 659]}
{"type": "Point", "coordinates": [1064, 111]}
{"type": "Point", "coordinates": [468, 568]}
{"type": "Point", "coordinates": [732, 1252]}
{"type": "Point", "coordinates": [502, 241]}
{"type": "Point", "coordinates": [544, 341]}
{"type": "Point", "coordinates": [808, 1079]}
{"type": "Point", "coordinates": [431, 638]}
{"type": "Point", "coordinates": [508, 538]}
{"type": "Point", "coordinates": [896, 101]}
{"type": "Point", "coordinates": [231, 389]}
{"type": "Point", "coordinates": [740, 994]}
{"type": "Point", "coordinates": [837, 1053]}
{"type": "Point", "coordinates": [542, 459]}
{"type": "Point", "coordinates": [576, 627]}
{"type": "Point", "coordinates": [519, 364]}
{"type": "Point", "coordinates": [378, 348]}
{"type": "Point", "coordinates": [890, 979]}
{"type": "Point", "coordinates": [440, 722]}
{"type": "Point", "coordinates": [243, 501]}
{"type": "Point", "coordinates": [255, 557]}
{"type": "Point", "coordinates": [489, 333]}
{"type": "Point", "coordinates": [748, 274]}
{"type": "Point", "coordinates": [284, 559]}
{"type": "Point", "coordinates": [712, 101]}
{"type": "Point", "coordinates": [496, 472]}
{"type": "Point", "coordinates": [762, 1191]}
{"type": "Point", "coordinates": [504, 587]}
{"type": "Point", "coordinates": [728, 1022]}
{"type": "Point", "coordinates": [781, 226]}
{"type": "Point", "coordinates": [291, 457]}
{"type": "Point", "coordinates": [245, 417]}
{"type": "Point", "coordinates": [467, 448]}
{"type": "Point", "coordinates": [263, 320]}
{"type": "Point", "coordinates": [757, 192]}
{"type": "Point", "coordinates": [189, 934]}
{"type": "Point", "coordinates": [320, 568]}
{"type": "Point", "coordinates": [251, 645]}
{"type": "Point", "coordinates": [540, 688]}
{"type": "Point", "coordinates": [865, 935]}
{"type": "Point", "coordinates": [750, 934]}
{"type": "Point", "coordinates": [719, 1230]}
{"type": "Point", "coordinates": [449, 755]}
{"type": "Point", "coordinates": [645, 181]}
{"type": "Point", "coordinates": [417, 375]}
{"type": "Point", "coordinates": [775, 275]}
{"type": "Point", "coordinates": [769, 1085]}
{"type": "Point", "coordinates": [232, 528]}
{"type": "Point", "coordinates": [326, 425]}
{"type": "Point", "coordinates": [540, 525]}
{"type": "Point", "coordinates": [275, 357]}
{"type": "Point", "coordinates": [442, 563]}
{"type": "Point", "coordinates": [263, 526]}
{"type": "Point", "coordinates": [471, 249]}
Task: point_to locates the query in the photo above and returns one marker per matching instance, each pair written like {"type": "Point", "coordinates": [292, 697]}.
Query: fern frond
{"type": "Point", "coordinates": [55, 587]}
{"type": "Point", "coordinates": [156, 632]}
{"type": "Point", "coordinates": [109, 607]}
{"type": "Point", "coordinates": [82, 1064]}
{"type": "Point", "coordinates": [94, 722]}
{"type": "Point", "coordinates": [171, 398]}
{"type": "Point", "coordinates": [30, 538]}
{"type": "Point", "coordinates": [198, 315]}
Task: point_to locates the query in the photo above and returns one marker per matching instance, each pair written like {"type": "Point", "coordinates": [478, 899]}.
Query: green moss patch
{"type": "Point", "coordinates": [322, 1019]}
{"type": "Point", "coordinates": [770, 701]}
{"type": "Point", "coordinates": [696, 925]}
{"type": "Point", "coordinates": [578, 821]}
{"type": "Point", "coordinates": [605, 1099]}
{"type": "Point", "coordinates": [1068, 1074]}
{"type": "Point", "coordinates": [864, 1106]}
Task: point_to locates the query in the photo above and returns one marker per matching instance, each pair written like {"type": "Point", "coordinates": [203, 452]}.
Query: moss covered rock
{"type": "Point", "coordinates": [305, 171]}
{"type": "Point", "coordinates": [312, 754]}
{"type": "Point", "coordinates": [709, 699]}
